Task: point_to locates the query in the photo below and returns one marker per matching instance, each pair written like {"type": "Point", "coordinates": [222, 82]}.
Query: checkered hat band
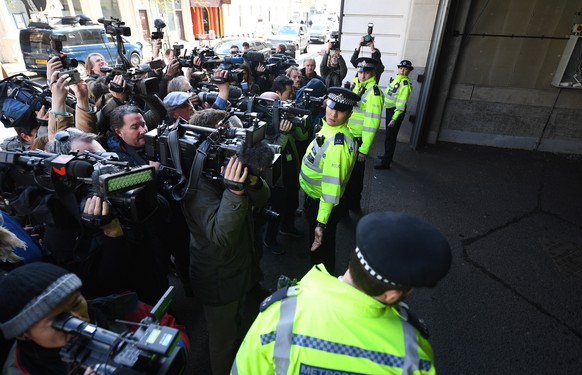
{"type": "Point", "coordinates": [370, 270]}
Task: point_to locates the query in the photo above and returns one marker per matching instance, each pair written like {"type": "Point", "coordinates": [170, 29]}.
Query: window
{"type": "Point", "coordinates": [73, 38]}
{"type": "Point", "coordinates": [92, 36]}
{"type": "Point", "coordinates": [19, 20]}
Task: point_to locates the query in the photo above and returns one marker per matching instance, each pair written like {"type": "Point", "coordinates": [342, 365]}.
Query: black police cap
{"type": "Point", "coordinates": [406, 64]}
{"type": "Point", "coordinates": [365, 64]}
{"type": "Point", "coordinates": [401, 250]}
{"type": "Point", "coordinates": [341, 99]}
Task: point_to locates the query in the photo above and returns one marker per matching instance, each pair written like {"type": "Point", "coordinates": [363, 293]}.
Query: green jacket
{"type": "Point", "coordinates": [223, 258]}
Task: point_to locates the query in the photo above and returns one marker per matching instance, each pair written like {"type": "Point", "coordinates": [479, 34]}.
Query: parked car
{"type": "Point", "coordinates": [294, 36]}
{"type": "Point", "coordinates": [35, 44]}
{"type": "Point", "coordinates": [318, 34]}
{"type": "Point", "coordinates": [222, 48]}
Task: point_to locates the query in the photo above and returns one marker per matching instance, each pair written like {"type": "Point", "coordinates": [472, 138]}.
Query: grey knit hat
{"type": "Point", "coordinates": [30, 292]}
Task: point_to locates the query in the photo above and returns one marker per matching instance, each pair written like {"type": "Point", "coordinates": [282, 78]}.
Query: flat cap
{"type": "Point", "coordinates": [175, 99]}
{"type": "Point", "coordinates": [365, 64]}
{"type": "Point", "coordinates": [400, 250]}
{"type": "Point", "coordinates": [406, 64]}
{"type": "Point", "coordinates": [341, 99]}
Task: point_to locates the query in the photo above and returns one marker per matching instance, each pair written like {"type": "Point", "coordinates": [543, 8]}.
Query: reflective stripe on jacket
{"type": "Point", "coordinates": [397, 93]}
{"type": "Point", "coordinates": [326, 167]}
{"type": "Point", "coordinates": [324, 325]}
{"type": "Point", "coordinates": [365, 119]}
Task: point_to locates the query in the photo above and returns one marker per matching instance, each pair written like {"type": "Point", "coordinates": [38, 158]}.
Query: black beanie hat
{"type": "Point", "coordinates": [30, 292]}
{"type": "Point", "coordinates": [401, 250]}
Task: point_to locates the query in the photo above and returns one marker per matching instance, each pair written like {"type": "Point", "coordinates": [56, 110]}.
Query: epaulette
{"type": "Point", "coordinates": [377, 91]}
{"type": "Point", "coordinates": [339, 139]}
{"type": "Point", "coordinates": [405, 82]}
{"type": "Point", "coordinates": [414, 320]}
{"type": "Point", "coordinates": [279, 295]}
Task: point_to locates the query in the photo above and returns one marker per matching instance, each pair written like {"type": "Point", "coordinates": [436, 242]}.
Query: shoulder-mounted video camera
{"type": "Point", "coordinates": [136, 82]}
{"type": "Point", "coordinates": [159, 24]}
{"type": "Point", "coordinates": [151, 349]}
{"type": "Point", "coordinates": [278, 63]}
{"type": "Point", "coordinates": [273, 112]}
{"type": "Point", "coordinates": [115, 27]}
{"type": "Point", "coordinates": [130, 190]}
{"type": "Point", "coordinates": [195, 151]}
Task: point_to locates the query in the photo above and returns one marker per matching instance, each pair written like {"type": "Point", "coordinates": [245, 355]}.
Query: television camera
{"type": "Point", "coordinates": [151, 349]}
{"type": "Point", "coordinates": [135, 84]}
{"type": "Point", "coordinates": [278, 63]}
{"type": "Point", "coordinates": [193, 151]}
{"type": "Point", "coordinates": [130, 190]}
{"type": "Point", "coordinates": [274, 111]}
{"type": "Point", "coordinates": [115, 27]}
{"type": "Point", "coordinates": [159, 24]}
{"type": "Point", "coordinates": [311, 102]}
{"type": "Point", "coordinates": [69, 65]}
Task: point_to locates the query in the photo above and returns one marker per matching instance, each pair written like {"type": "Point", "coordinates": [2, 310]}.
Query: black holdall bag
{"type": "Point", "coordinates": [19, 100]}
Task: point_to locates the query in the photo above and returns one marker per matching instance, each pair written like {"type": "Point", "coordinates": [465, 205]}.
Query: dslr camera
{"type": "Point", "coordinates": [368, 37]}
{"type": "Point", "coordinates": [69, 64]}
{"type": "Point", "coordinates": [334, 40]}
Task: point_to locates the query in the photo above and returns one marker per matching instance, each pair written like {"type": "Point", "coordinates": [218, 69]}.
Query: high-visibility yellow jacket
{"type": "Point", "coordinates": [396, 95]}
{"type": "Point", "coordinates": [326, 167]}
{"type": "Point", "coordinates": [326, 326]}
{"type": "Point", "coordinates": [365, 120]}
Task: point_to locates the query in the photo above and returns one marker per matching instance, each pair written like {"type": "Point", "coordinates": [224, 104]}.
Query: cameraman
{"type": "Point", "coordinates": [33, 295]}
{"type": "Point", "coordinates": [333, 66]}
{"type": "Point", "coordinates": [285, 192]}
{"type": "Point", "coordinates": [93, 64]}
{"type": "Point", "coordinates": [119, 96]}
{"type": "Point", "coordinates": [223, 258]}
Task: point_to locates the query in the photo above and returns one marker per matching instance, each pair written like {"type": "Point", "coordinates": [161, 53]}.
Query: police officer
{"type": "Point", "coordinates": [355, 323]}
{"type": "Point", "coordinates": [364, 124]}
{"type": "Point", "coordinates": [395, 99]}
{"type": "Point", "coordinates": [325, 170]}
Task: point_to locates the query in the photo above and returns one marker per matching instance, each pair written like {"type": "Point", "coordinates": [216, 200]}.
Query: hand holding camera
{"type": "Point", "coordinates": [235, 176]}
{"type": "Point", "coordinates": [368, 38]}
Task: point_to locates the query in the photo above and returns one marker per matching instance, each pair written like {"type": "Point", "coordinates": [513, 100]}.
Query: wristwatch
{"type": "Point", "coordinates": [320, 225]}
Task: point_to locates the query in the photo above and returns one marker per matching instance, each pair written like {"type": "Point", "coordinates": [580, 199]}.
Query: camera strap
{"type": "Point", "coordinates": [188, 185]}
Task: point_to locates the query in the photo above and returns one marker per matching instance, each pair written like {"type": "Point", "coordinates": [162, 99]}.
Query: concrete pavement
{"type": "Point", "coordinates": [511, 302]}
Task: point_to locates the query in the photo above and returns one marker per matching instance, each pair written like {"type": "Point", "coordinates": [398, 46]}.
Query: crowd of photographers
{"type": "Point", "coordinates": [208, 192]}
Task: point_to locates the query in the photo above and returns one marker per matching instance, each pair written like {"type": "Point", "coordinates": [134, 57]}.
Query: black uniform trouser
{"type": "Point", "coordinates": [284, 200]}
{"type": "Point", "coordinates": [326, 252]}
{"type": "Point", "coordinates": [353, 194]}
{"type": "Point", "coordinates": [391, 135]}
